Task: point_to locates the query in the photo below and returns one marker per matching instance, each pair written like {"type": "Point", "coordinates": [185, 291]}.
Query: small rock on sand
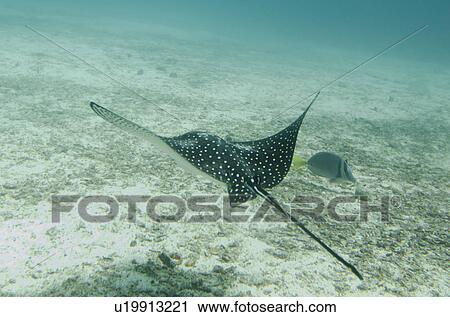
{"type": "Point", "coordinates": [166, 260]}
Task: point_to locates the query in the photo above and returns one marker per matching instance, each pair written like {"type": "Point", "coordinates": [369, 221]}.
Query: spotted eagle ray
{"type": "Point", "coordinates": [247, 168]}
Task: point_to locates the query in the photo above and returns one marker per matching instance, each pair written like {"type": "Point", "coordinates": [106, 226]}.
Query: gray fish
{"type": "Point", "coordinates": [247, 168]}
{"type": "Point", "coordinates": [331, 166]}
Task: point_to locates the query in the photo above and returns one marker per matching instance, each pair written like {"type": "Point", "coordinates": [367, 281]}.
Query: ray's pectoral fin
{"type": "Point", "coordinates": [274, 154]}
{"type": "Point", "coordinates": [135, 129]}
{"type": "Point", "coordinates": [124, 124]}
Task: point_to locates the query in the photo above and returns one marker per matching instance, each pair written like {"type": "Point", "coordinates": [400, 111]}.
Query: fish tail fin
{"type": "Point", "coordinates": [261, 192]}
{"type": "Point", "coordinates": [298, 162]}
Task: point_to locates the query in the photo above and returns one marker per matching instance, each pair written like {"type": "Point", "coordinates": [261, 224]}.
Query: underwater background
{"type": "Point", "coordinates": [232, 68]}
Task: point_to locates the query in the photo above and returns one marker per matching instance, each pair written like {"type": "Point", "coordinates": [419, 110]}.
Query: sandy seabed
{"type": "Point", "coordinates": [390, 120]}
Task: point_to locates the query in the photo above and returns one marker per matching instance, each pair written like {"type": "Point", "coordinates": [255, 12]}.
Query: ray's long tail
{"type": "Point", "coordinates": [261, 192]}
